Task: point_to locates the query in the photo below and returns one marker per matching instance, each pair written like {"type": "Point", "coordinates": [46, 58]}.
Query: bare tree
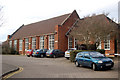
{"type": "Point", "coordinates": [94, 29]}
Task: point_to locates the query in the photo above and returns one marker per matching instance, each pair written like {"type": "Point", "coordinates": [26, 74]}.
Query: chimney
{"type": "Point", "coordinates": [8, 36]}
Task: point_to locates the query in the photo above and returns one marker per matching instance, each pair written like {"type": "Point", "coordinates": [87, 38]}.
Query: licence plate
{"type": "Point", "coordinates": [68, 53]}
{"type": "Point", "coordinates": [108, 64]}
{"type": "Point", "coordinates": [48, 55]}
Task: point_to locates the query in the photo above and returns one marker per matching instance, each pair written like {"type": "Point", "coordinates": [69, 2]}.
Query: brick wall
{"type": "Point", "coordinates": [46, 39]}
{"type": "Point", "coordinates": [112, 47]}
{"type": "Point", "coordinates": [37, 42]}
{"type": "Point", "coordinates": [62, 39]}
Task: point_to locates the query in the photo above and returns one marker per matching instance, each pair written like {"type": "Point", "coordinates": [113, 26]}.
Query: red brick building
{"type": "Point", "coordinates": [50, 34]}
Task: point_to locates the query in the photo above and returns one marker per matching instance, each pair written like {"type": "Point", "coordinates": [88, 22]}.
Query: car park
{"type": "Point", "coordinates": [67, 53]}
{"type": "Point", "coordinates": [40, 53]}
{"type": "Point", "coordinates": [54, 53]}
{"type": "Point", "coordinates": [93, 59]}
{"type": "Point", "coordinates": [29, 52]}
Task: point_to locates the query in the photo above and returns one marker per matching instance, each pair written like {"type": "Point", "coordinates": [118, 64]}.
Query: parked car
{"type": "Point", "coordinates": [67, 53]}
{"type": "Point", "coordinates": [29, 52]}
{"type": "Point", "coordinates": [93, 59]}
{"type": "Point", "coordinates": [40, 53]}
{"type": "Point", "coordinates": [55, 53]}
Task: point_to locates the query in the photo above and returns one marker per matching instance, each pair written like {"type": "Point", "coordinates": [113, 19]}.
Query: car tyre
{"type": "Point", "coordinates": [77, 64]}
{"type": "Point", "coordinates": [94, 67]}
{"type": "Point", "coordinates": [41, 55]}
{"type": "Point", "coordinates": [54, 56]}
{"type": "Point", "coordinates": [28, 55]}
{"type": "Point", "coordinates": [67, 58]}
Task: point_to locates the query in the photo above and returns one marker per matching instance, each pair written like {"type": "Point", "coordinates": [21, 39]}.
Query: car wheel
{"type": "Point", "coordinates": [28, 55]}
{"type": "Point", "coordinates": [94, 67]}
{"type": "Point", "coordinates": [77, 64]}
{"type": "Point", "coordinates": [41, 55]}
{"type": "Point", "coordinates": [67, 58]}
{"type": "Point", "coordinates": [54, 56]}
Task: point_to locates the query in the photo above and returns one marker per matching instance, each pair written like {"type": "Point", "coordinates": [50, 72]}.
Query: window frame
{"type": "Point", "coordinates": [41, 42]}
{"type": "Point", "coordinates": [15, 44]}
{"type": "Point", "coordinates": [33, 42]}
{"type": "Point", "coordinates": [51, 41]}
{"type": "Point", "coordinates": [70, 43]}
{"type": "Point", "coordinates": [26, 44]}
{"type": "Point", "coordinates": [107, 44]}
{"type": "Point", "coordinates": [10, 44]}
{"type": "Point", "coordinates": [20, 45]}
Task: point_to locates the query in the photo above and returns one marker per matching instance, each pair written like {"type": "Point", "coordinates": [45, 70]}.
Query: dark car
{"type": "Point", "coordinates": [40, 53]}
{"type": "Point", "coordinates": [93, 59]}
{"type": "Point", "coordinates": [55, 53]}
{"type": "Point", "coordinates": [29, 52]}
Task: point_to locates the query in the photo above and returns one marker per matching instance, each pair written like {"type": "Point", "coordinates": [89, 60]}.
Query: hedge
{"type": "Point", "coordinates": [73, 53]}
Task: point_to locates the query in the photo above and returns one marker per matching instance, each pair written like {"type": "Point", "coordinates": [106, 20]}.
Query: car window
{"type": "Point", "coordinates": [41, 50]}
{"type": "Point", "coordinates": [57, 50]}
{"type": "Point", "coordinates": [80, 55]}
{"type": "Point", "coordinates": [49, 51]}
{"type": "Point", "coordinates": [86, 55]}
{"type": "Point", "coordinates": [96, 54]}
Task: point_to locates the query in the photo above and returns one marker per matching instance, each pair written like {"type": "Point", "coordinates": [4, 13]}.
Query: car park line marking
{"type": "Point", "coordinates": [13, 73]}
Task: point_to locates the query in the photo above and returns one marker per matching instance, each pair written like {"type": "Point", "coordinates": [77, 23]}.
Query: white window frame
{"type": "Point", "coordinates": [26, 44]}
{"type": "Point", "coordinates": [99, 46]}
{"type": "Point", "coordinates": [51, 41]}
{"type": "Point", "coordinates": [69, 45]}
{"type": "Point", "coordinates": [75, 43]}
{"type": "Point", "coordinates": [107, 43]}
{"type": "Point", "coordinates": [33, 43]}
{"type": "Point", "coordinates": [15, 44]}
{"type": "Point", "coordinates": [10, 44]}
{"type": "Point", "coordinates": [41, 42]}
{"type": "Point", "coordinates": [20, 45]}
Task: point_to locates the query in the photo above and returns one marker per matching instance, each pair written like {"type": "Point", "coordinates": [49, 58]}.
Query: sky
{"type": "Point", "coordinates": [18, 12]}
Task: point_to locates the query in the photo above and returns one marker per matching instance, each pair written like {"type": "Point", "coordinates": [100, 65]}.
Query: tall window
{"type": "Point", "coordinates": [107, 44]}
{"type": "Point", "coordinates": [33, 43]}
{"type": "Point", "coordinates": [69, 42]}
{"type": "Point", "coordinates": [51, 42]}
{"type": "Point", "coordinates": [42, 42]}
{"type": "Point", "coordinates": [20, 45]}
{"type": "Point", "coordinates": [26, 44]}
{"type": "Point", "coordinates": [75, 43]}
{"type": "Point", "coordinates": [15, 44]}
{"type": "Point", "coordinates": [10, 43]}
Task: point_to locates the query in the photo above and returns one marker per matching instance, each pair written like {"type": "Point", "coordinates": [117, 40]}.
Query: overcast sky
{"type": "Point", "coordinates": [18, 12]}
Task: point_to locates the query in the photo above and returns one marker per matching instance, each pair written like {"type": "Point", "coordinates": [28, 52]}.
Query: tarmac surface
{"type": "Point", "coordinates": [8, 68]}
{"type": "Point", "coordinates": [52, 68]}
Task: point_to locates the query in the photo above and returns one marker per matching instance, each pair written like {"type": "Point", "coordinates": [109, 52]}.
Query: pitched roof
{"type": "Point", "coordinates": [99, 18]}
{"type": "Point", "coordinates": [39, 28]}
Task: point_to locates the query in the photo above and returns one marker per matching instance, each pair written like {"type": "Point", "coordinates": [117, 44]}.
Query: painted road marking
{"type": "Point", "coordinates": [13, 73]}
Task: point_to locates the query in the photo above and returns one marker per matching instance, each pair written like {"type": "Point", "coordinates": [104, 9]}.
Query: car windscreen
{"type": "Point", "coordinates": [49, 51]}
{"type": "Point", "coordinates": [96, 54]}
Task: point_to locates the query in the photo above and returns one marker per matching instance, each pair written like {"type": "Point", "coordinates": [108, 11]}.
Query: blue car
{"type": "Point", "coordinates": [93, 59]}
{"type": "Point", "coordinates": [55, 53]}
{"type": "Point", "coordinates": [40, 53]}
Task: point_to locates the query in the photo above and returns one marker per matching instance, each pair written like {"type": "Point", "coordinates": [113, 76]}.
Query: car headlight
{"type": "Point", "coordinates": [100, 62]}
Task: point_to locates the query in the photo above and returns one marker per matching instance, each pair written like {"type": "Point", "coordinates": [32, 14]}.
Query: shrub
{"type": "Point", "coordinates": [8, 50]}
{"type": "Point", "coordinates": [73, 53]}
{"type": "Point", "coordinates": [101, 51]}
